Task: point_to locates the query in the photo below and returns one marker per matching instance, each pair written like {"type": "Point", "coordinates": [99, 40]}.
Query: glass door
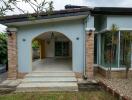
{"type": "Point", "coordinates": [61, 48]}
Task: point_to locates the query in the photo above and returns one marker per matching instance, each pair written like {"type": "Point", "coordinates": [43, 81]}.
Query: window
{"type": "Point", "coordinates": [109, 50]}
{"type": "Point", "coordinates": [95, 49]}
{"type": "Point", "coordinates": [120, 51]}
{"type": "Point", "coordinates": [125, 48]}
{"type": "Point", "coordinates": [61, 48]}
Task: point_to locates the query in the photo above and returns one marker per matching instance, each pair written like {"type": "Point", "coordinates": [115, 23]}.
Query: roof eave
{"type": "Point", "coordinates": [23, 19]}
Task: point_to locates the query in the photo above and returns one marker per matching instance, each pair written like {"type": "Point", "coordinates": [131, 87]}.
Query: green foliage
{"type": "Point", "coordinates": [35, 44]}
{"type": "Point", "coordinates": [111, 43]}
{"type": "Point", "coordinates": [113, 31]}
{"type": "Point", "coordinates": [36, 5]}
{"type": "Point", "coordinates": [3, 48]}
{"type": "Point", "coordinates": [6, 6]}
{"type": "Point", "coordinates": [50, 7]}
{"type": "Point", "coordinates": [127, 40]}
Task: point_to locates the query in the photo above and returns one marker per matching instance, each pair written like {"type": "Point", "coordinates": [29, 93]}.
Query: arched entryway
{"type": "Point", "coordinates": [51, 51]}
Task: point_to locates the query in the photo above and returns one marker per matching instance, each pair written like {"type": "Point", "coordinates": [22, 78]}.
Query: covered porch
{"type": "Point", "coordinates": [51, 51]}
{"type": "Point", "coordinates": [52, 64]}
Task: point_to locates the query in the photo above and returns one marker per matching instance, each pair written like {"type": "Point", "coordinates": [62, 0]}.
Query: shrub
{"type": "Point", "coordinates": [3, 48]}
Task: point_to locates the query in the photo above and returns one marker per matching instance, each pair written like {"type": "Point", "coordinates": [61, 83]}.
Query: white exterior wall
{"type": "Point", "coordinates": [72, 29]}
{"type": "Point", "coordinates": [123, 22]}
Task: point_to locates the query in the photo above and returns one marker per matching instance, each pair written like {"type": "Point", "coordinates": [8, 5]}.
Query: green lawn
{"type": "Point", "coordinates": [94, 95]}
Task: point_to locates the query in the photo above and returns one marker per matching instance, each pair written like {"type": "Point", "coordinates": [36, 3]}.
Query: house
{"type": "Point", "coordinates": [72, 39]}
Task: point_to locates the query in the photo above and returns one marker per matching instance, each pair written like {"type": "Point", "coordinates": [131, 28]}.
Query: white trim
{"type": "Point", "coordinates": [87, 29]}
{"type": "Point", "coordinates": [99, 50]}
{"type": "Point", "coordinates": [120, 29]}
{"type": "Point", "coordinates": [131, 55]}
{"type": "Point", "coordinates": [95, 65]}
{"type": "Point", "coordinates": [113, 69]}
{"type": "Point", "coordinates": [12, 29]}
{"type": "Point", "coordinates": [125, 29]}
{"type": "Point", "coordinates": [102, 31]}
{"type": "Point", "coordinates": [119, 35]}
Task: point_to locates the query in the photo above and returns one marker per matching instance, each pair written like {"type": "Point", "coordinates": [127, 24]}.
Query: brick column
{"type": "Point", "coordinates": [89, 53]}
{"type": "Point", "coordinates": [12, 54]}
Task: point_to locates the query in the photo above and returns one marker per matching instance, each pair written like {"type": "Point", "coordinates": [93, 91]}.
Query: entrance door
{"type": "Point", "coordinates": [61, 48]}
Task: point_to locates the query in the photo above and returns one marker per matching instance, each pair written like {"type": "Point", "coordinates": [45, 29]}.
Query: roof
{"type": "Point", "coordinates": [112, 11]}
{"type": "Point", "coordinates": [45, 15]}
{"type": "Point", "coordinates": [70, 10]}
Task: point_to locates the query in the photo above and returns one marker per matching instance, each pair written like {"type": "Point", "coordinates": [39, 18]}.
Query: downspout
{"type": "Point", "coordinates": [84, 68]}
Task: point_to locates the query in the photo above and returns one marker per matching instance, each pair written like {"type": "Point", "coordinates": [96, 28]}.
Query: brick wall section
{"type": "Point", "coordinates": [89, 54]}
{"type": "Point", "coordinates": [115, 74]}
{"type": "Point", "coordinates": [78, 75]}
{"type": "Point", "coordinates": [21, 75]}
{"type": "Point", "coordinates": [12, 56]}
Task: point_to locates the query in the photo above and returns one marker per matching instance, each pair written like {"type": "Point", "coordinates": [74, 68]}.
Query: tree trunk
{"type": "Point", "coordinates": [127, 70]}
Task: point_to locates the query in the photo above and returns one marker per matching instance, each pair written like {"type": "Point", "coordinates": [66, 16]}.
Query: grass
{"type": "Point", "coordinates": [86, 95]}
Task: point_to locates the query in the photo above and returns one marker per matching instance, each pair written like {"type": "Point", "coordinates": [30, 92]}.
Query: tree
{"type": "Point", "coordinates": [10, 5]}
{"type": "Point", "coordinates": [36, 5]}
{"type": "Point", "coordinates": [111, 41]}
{"type": "Point", "coordinates": [3, 48]}
{"type": "Point", "coordinates": [127, 40]}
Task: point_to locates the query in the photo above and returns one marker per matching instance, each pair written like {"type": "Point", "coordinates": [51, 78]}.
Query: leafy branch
{"type": "Point", "coordinates": [38, 7]}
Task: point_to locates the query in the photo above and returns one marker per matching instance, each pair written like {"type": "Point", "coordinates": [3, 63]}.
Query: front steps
{"type": "Point", "coordinates": [48, 81]}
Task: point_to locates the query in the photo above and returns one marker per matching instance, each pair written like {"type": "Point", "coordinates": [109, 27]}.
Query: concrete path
{"type": "Point", "coordinates": [3, 76]}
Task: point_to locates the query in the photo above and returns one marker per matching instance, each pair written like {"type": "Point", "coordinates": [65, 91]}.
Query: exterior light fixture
{"type": "Point", "coordinates": [9, 33]}
{"type": "Point", "coordinates": [52, 35]}
{"type": "Point", "coordinates": [77, 38]}
{"type": "Point", "coordinates": [90, 32]}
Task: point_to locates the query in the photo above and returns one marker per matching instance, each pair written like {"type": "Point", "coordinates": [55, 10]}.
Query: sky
{"type": "Point", "coordinates": [59, 4]}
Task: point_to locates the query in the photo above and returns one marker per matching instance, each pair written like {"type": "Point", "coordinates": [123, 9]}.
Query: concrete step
{"type": "Point", "coordinates": [30, 87]}
{"type": "Point", "coordinates": [49, 79]}
{"type": "Point", "coordinates": [50, 74]}
{"type": "Point", "coordinates": [39, 71]}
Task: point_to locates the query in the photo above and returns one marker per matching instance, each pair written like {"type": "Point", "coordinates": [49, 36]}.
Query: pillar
{"type": "Point", "coordinates": [90, 53]}
{"type": "Point", "coordinates": [12, 53]}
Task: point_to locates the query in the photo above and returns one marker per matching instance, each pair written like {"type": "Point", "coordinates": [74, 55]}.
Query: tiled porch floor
{"type": "Point", "coordinates": [53, 64]}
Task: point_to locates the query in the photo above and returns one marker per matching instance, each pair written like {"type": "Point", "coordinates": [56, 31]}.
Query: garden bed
{"type": "Point", "coordinates": [121, 88]}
